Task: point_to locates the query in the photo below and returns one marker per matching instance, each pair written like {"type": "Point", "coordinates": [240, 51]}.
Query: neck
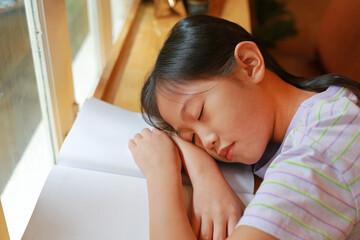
{"type": "Point", "coordinates": [286, 99]}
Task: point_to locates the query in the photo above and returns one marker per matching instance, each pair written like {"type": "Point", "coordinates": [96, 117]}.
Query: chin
{"type": "Point", "coordinates": [246, 161]}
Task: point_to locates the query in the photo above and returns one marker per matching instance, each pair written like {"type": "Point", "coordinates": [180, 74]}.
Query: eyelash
{"type": "Point", "coordinates": [193, 136]}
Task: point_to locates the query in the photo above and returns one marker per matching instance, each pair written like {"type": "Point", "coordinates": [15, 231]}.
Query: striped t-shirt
{"type": "Point", "coordinates": [311, 190]}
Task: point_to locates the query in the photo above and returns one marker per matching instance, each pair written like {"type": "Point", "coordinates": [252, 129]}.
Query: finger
{"type": "Point", "coordinates": [231, 225]}
{"type": "Point", "coordinates": [137, 137]}
{"type": "Point", "coordinates": [195, 222]}
{"type": "Point", "coordinates": [145, 131]}
{"type": "Point", "coordinates": [219, 230]}
{"type": "Point", "coordinates": [206, 229]}
{"type": "Point", "coordinates": [131, 144]}
{"type": "Point", "coordinates": [156, 130]}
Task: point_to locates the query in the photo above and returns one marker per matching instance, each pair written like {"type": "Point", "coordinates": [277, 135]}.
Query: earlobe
{"type": "Point", "coordinates": [250, 61]}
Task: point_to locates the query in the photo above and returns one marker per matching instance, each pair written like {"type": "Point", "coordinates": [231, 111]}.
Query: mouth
{"type": "Point", "coordinates": [227, 152]}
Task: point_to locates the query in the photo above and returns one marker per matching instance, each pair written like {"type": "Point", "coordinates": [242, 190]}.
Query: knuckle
{"type": "Point", "coordinates": [233, 210]}
{"type": "Point", "coordinates": [145, 130]}
{"type": "Point", "coordinates": [205, 236]}
{"type": "Point", "coordinates": [218, 238]}
{"type": "Point", "coordinates": [137, 136]}
{"type": "Point", "coordinates": [205, 213]}
{"type": "Point", "coordinates": [219, 210]}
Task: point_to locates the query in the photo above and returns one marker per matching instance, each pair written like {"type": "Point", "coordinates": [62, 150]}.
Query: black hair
{"type": "Point", "coordinates": [201, 47]}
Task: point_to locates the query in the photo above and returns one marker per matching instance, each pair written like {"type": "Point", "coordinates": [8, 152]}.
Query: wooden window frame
{"type": "Point", "coordinates": [4, 234]}
{"type": "Point", "coordinates": [53, 35]}
{"type": "Point", "coordinates": [104, 87]}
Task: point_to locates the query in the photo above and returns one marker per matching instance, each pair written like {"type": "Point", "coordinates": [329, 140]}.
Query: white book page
{"type": "Point", "coordinates": [83, 204]}
{"type": "Point", "coordinates": [99, 139]}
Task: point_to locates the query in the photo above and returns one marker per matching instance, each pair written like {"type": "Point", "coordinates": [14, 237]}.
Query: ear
{"type": "Point", "coordinates": [250, 61]}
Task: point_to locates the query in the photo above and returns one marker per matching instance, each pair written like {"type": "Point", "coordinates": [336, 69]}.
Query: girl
{"type": "Point", "coordinates": [215, 86]}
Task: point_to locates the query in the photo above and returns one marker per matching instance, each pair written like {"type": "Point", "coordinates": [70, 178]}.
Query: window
{"type": "Point", "coordinates": [119, 11]}
{"type": "Point", "coordinates": [94, 28]}
{"type": "Point", "coordinates": [27, 151]}
{"type": "Point", "coordinates": [85, 64]}
{"type": "Point", "coordinates": [40, 55]}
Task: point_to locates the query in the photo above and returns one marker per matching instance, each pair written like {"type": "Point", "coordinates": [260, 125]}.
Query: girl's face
{"type": "Point", "coordinates": [231, 120]}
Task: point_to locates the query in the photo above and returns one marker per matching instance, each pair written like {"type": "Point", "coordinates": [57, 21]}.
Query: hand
{"type": "Point", "coordinates": [216, 209]}
{"type": "Point", "coordinates": [155, 153]}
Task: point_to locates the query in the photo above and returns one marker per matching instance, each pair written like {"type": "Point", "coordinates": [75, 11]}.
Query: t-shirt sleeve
{"type": "Point", "coordinates": [302, 197]}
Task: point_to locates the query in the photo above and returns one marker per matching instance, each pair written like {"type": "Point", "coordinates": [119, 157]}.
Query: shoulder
{"type": "Point", "coordinates": [330, 126]}
{"type": "Point", "coordinates": [310, 190]}
{"type": "Point", "coordinates": [331, 108]}
{"type": "Point", "coordinates": [305, 191]}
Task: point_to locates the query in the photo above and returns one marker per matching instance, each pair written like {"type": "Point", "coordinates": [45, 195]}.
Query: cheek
{"type": "Point", "coordinates": [253, 132]}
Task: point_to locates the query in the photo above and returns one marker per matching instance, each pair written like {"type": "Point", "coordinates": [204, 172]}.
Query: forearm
{"type": "Point", "coordinates": [215, 207]}
{"type": "Point", "coordinates": [196, 162]}
{"type": "Point", "coordinates": [168, 218]}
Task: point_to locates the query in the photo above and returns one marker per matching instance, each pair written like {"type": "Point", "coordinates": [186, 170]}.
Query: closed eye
{"type": "Point", "coordinates": [199, 118]}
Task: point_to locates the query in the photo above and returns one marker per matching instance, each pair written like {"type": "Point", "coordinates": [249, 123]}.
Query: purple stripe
{"type": "Point", "coordinates": [277, 224]}
{"type": "Point", "coordinates": [287, 146]}
{"type": "Point", "coordinates": [357, 195]}
{"type": "Point", "coordinates": [316, 185]}
{"type": "Point", "coordinates": [352, 163]}
{"type": "Point", "coordinates": [309, 129]}
{"type": "Point", "coordinates": [302, 137]}
{"type": "Point", "coordinates": [306, 123]}
{"type": "Point", "coordinates": [341, 132]}
{"type": "Point", "coordinates": [307, 115]}
{"type": "Point", "coordinates": [306, 134]}
{"type": "Point", "coordinates": [332, 109]}
{"type": "Point", "coordinates": [314, 158]}
{"type": "Point", "coordinates": [305, 209]}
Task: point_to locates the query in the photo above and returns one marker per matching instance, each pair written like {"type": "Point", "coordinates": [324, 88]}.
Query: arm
{"type": "Point", "coordinates": [216, 208]}
{"type": "Point", "coordinates": [167, 212]}
{"type": "Point", "coordinates": [247, 232]}
{"type": "Point", "coordinates": [159, 160]}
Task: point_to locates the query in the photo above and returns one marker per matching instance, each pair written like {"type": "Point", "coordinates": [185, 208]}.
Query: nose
{"type": "Point", "coordinates": [208, 138]}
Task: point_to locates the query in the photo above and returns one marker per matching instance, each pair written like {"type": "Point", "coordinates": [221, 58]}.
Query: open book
{"type": "Point", "coordinates": [96, 191]}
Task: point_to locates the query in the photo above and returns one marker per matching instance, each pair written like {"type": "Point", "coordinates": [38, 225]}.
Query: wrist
{"type": "Point", "coordinates": [168, 175]}
{"type": "Point", "coordinates": [164, 183]}
{"type": "Point", "coordinates": [205, 174]}
{"type": "Point", "coordinates": [198, 164]}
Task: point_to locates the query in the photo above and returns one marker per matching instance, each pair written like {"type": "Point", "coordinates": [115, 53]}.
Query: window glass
{"type": "Point", "coordinates": [25, 141]}
{"type": "Point", "coordinates": [85, 66]}
{"type": "Point", "coordinates": [119, 11]}
{"type": "Point", "coordinates": [78, 24]}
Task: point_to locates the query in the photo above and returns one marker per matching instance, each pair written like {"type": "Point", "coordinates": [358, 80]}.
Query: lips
{"type": "Point", "coordinates": [227, 152]}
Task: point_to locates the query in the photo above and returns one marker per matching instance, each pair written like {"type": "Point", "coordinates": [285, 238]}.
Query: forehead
{"type": "Point", "coordinates": [172, 99]}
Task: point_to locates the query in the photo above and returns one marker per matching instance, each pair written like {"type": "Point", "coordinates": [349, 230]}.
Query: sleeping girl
{"type": "Point", "coordinates": [215, 93]}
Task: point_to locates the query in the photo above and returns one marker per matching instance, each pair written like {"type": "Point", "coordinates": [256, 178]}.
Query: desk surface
{"type": "Point", "coordinates": [144, 43]}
